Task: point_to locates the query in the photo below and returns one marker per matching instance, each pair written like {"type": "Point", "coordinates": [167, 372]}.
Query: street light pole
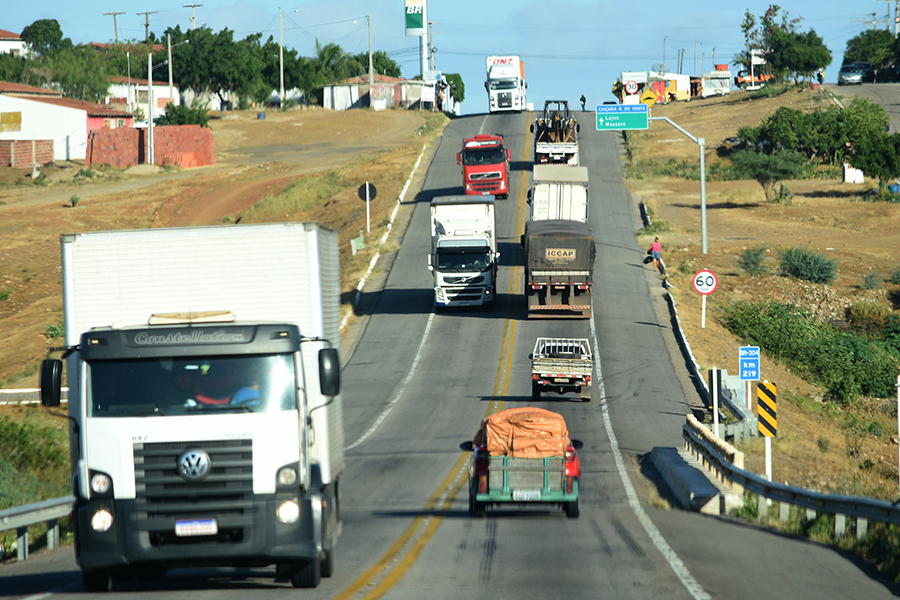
{"type": "Point", "coordinates": [169, 40]}
{"type": "Point", "coordinates": [371, 70]}
{"type": "Point", "coordinates": [150, 107]}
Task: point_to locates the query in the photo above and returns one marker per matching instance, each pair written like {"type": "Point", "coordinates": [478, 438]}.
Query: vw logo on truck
{"type": "Point", "coordinates": [193, 465]}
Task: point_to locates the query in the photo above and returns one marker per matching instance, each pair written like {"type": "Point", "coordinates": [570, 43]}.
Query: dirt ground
{"type": "Point", "coordinates": [825, 215]}
{"type": "Point", "coordinates": [835, 219]}
{"type": "Point", "coordinates": [256, 158]}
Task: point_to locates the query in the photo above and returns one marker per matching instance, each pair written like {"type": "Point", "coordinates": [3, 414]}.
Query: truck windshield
{"type": "Point", "coordinates": [504, 84]}
{"type": "Point", "coordinates": [456, 261]}
{"type": "Point", "coordinates": [492, 155]}
{"type": "Point", "coordinates": [190, 385]}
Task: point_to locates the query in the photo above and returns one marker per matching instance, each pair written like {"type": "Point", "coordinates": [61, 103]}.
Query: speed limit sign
{"type": "Point", "coordinates": [705, 282]}
{"type": "Point", "coordinates": [631, 87]}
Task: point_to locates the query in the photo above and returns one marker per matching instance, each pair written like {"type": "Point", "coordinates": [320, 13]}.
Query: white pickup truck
{"type": "Point", "coordinates": [561, 365]}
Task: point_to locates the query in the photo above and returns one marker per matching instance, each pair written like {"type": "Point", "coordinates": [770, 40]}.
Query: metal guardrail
{"type": "Point", "coordinates": [862, 509]}
{"type": "Point", "coordinates": [48, 511]}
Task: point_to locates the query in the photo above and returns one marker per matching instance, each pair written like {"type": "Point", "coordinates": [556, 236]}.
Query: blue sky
{"type": "Point", "coordinates": [569, 47]}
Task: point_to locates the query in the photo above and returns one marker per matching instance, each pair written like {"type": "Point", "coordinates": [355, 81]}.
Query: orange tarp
{"type": "Point", "coordinates": [525, 432]}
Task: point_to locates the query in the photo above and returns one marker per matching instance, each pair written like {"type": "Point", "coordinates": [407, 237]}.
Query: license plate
{"type": "Point", "coordinates": [197, 527]}
{"type": "Point", "coordinates": [560, 380]}
{"type": "Point", "coordinates": [526, 495]}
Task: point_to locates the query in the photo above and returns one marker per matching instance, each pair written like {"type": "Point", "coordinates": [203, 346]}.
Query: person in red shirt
{"type": "Point", "coordinates": [655, 253]}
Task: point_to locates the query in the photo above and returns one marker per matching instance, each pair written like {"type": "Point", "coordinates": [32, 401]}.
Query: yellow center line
{"type": "Point", "coordinates": [454, 482]}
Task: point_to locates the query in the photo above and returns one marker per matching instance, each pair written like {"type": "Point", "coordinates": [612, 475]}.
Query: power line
{"type": "Point", "coordinates": [115, 23]}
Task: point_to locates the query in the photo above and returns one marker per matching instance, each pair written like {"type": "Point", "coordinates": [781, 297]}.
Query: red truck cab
{"type": "Point", "coordinates": [485, 164]}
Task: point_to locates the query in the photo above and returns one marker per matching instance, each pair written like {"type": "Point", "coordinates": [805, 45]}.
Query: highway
{"type": "Point", "coordinates": [418, 383]}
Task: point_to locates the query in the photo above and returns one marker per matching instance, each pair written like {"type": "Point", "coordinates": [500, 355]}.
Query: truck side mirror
{"type": "Point", "coordinates": [508, 154]}
{"type": "Point", "coordinates": [467, 446]}
{"type": "Point", "coordinates": [577, 128]}
{"type": "Point", "coordinates": [577, 444]}
{"type": "Point", "coordinates": [532, 128]}
{"type": "Point", "coordinates": [430, 266]}
{"type": "Point", "coordinates": [459, 158]}
{"type": "Point", "coordinates": [51, 382]}
{"type": "Point", "coordinates": [329, 372]}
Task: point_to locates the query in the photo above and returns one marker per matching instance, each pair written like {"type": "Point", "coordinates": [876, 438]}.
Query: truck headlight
{"type": "Point", "coordinates": [287, 476]}
{"type": "Point", "coordinates": [100, 483]}
{"type": "Point", "coordinates": [101, 521]}
{"type": "Point", "coordinates": [288, 511]}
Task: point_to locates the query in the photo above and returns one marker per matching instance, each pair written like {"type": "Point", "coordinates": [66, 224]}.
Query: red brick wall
{"type": "Point", "coordinates": [178, 145]}
{"type": "Point", "coordinates": [113, 147]}
{"type": "Point", "coordinates": [18, 153]}
{"type": "Point", "coordinates": [183, 145]}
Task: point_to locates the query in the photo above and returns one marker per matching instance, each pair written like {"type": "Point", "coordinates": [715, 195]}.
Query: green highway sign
{"type": "Point", "coordinates": [623, 116]}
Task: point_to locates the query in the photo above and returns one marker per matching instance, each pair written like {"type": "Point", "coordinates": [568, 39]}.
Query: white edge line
{"type": "Point", "coordinates": [681, 571]}
{"type": "Point", "coordinates": [399, 394]}
{"type": "Point", "coordinates": [362, 282]}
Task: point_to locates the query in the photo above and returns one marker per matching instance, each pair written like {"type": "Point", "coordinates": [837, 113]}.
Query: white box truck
{"type": "Point", "coordinates": [559, 193]}
{"type": "Point", "coordinates": [464, 253]}
{"type": "Point", "coordinates": [204, 385]}
{"type": "Point", "coordinates": [505, 84]}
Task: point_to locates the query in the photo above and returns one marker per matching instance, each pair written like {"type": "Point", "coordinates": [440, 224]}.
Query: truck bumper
{"type": "Point", "coordinates": [254, 537]}
{"type": "Point", "coordinates": [459, 297]}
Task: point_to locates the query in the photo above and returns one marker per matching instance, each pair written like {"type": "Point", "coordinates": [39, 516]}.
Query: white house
{"type": "Point", "coordinates": [130, 95]}
{"type": "Point", "coordinates": [11, 43]}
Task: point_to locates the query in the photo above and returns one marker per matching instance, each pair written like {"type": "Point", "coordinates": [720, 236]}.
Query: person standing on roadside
{"type": "Point", "coordinates": [655, 252]}
{"type": "Point", "coordinates": [583, 100]}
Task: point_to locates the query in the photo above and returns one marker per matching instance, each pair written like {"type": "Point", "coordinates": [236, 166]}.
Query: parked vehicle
{"type": "Point", "coordinates": [198, 439]}
{"type": "Point", "coordinates": [556, 135]}
{"type": "Point", "coordinates": [561, 365]}
{"type": "Point", "coordinates": [559, 263]}
{"type": "Point", "coordinates": [559, 193]}
{"type": "Point", "coordinates": [850, 75]}
{"type": "Point", "coordinates": [505, 83]}
{"type": "Point", "coordinates": [485, 165]}
{"type": "Point", "coordinates": [524, 456]}
{"type": "Point", "coordinates": [464, 253]}
{"type": "Point", "coordinates": [746, 79]}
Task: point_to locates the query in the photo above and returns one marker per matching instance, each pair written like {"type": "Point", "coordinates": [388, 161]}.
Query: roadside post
{"type": "Point", "coordinates": [748, 367]}
{"type": "Point", "coordinates": [704, 283]}
{"type": "Point", "coordinates": [715, 396]}
{"type": "Point", "coordinates": [767, 411]}
{"type": "Point", "coordinates": [367, 192]}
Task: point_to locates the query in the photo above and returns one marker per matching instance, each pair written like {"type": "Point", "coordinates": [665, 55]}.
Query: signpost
{"type": "Point", "coordinates": [619, 117]}
{"type": "Point", "coordinates": [767, 417]}
{"type": "Point", "coordinates": [367, 192]}
{"type": "Point", "coordinates": [705, 283]}
{"type": "Point", "coordinates": [748, 366]}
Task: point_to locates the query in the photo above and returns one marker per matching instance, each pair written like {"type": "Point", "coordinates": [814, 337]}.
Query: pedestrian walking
{"type": "Point", "coordinates": [655, 253]}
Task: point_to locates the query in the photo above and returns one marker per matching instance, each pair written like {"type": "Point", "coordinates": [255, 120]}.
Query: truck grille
{"type": "Point", "coordinates": [456, 280]}
{"type": "Point", "coordinates": [504, 100]}
{"type": "Point", "coordinates": [162, 496]}
{"type": "Point", "coordinates": [487, 175]}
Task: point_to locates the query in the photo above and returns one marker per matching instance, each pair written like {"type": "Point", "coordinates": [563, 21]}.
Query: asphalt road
{"type": "Point", "coordinates": [887, 95]}
{"type": "Point", "coordinates": [418, 383]}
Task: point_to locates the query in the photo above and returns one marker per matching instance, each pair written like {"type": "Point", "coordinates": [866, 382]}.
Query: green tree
{"type": "Point", "coordinates": [768, 169]}
{"type": "Point", "coordinates": [184, 115]}
{"type": "Point", "coordinates": [457, 87]}
{"type": "Point", "coordinates": [759, 34]}
{"type": "Point", "coordinates": [800, 54]}
{"type": "Point", "coordinates": [11, 67]}
{"type": "Point", "coordinates": [878, 155]}
{"type": "Point", "coordinates": [382, 64]}
{"type": "Point", "coordinates": [45, 37]}
{"type": "Point", "coordinates": [874, 46]}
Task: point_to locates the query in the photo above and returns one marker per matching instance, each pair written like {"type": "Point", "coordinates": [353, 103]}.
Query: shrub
{"type": "Point", "coordinates": [868, 315]}
{"type": "Point", "coordinates": [824, 444]}
{"type": "Point", "coordinates": [870, 281]}
{"type": "Point", "coordinates": [751, 261]}
{"type": "Point", "coordinates": [894, 277]}
{"type": "Point", "coordinates": [805, 264]}
{"type": "Point", "coordinates": [5, 293]}
{"type": "Point", "coordinates": [784, 196]}
{"type": "Point", "coordinates": [74, 200]}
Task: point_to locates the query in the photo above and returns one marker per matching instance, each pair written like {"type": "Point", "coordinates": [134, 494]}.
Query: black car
{"type": "Point", "coordinates": [866, 69]}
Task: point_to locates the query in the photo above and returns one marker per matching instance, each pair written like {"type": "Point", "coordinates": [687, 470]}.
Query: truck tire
{"type": "Point", "coordinates": [476, 508]}
{"type": "Point", "coordinates": [535, 392]}
{"type": "Point", "coordinates": [98, 582]}
{"type": "Point", "coordinates": [308, 575]}
{"type": "Point", "coordinates": [573, 509]}
{"type": "Point", "coordinates": [327, 565]}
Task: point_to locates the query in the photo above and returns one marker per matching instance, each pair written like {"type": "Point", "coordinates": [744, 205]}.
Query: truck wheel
{"type": "Point", "coordinates": [96, 581]}
{"type": "Point", "coordinates": [307, 576]}
{"type": "Point", "coordinates": [327, 565]}
{"type": "Point", "coordinates": [535, 393]}
{"type": "Point", "coordinates": [476, 508]}
{"type": "Point", "coordinates": [572, 508]}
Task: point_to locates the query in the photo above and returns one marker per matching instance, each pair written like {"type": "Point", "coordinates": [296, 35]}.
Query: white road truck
{"type": "Point", "coordinates": [505, 84]}
{"type": "Point", "coordinates": [204, 378]}
{"type": "Point", "coordinates": [464, 253]}
{"type": "Point", "coordinates": [559, 193]}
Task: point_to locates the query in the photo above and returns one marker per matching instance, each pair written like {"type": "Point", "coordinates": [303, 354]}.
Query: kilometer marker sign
{"type": "Point", "coordinates": [622, 117]}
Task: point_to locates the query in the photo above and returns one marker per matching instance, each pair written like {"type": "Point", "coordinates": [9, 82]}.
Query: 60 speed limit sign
{"type": "Point", "coordinates": [705, 282]}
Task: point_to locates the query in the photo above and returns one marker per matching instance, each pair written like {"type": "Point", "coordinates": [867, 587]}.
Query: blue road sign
{"type": "Point", "coordinates": [748, 357]}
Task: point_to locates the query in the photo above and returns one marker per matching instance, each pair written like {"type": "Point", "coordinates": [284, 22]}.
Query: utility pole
{"type": "Point", "coordinates": [873, 22]}
{"type": "Point", "coordinates": [281, 55]}
{"type": "Point", "coordinates": [115, 23]}
{"type": "Point", "coordinates": [431, 48]}
{"type": "Point", "coordinates": [147, 23]}
{"type": "Point", "coordinates": [193, 15]}
{"type": "Point", "coordinates": [371, 70]}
